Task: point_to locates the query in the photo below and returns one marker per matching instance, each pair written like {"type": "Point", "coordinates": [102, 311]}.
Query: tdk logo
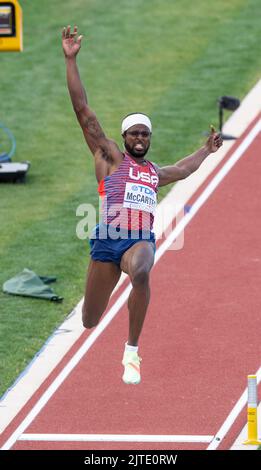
{"type": "Point", "coordinates": [142, 189]}
{"type": "Point", "coordinates": [143, 176]}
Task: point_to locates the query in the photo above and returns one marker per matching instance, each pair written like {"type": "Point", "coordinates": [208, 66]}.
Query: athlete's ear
{"type": "Point", "coordinates": [123, 139]}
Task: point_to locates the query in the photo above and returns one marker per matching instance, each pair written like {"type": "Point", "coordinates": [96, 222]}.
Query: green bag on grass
{"type": "Point", "coordinates": [29, 284]}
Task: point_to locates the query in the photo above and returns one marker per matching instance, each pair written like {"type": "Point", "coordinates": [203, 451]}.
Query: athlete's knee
{"type": "Point", "coordinates": [89, 323]}
{"type": "Point", "coordinates": [89, 320]}
{"type": "Point", "coordinates": [140, 277]}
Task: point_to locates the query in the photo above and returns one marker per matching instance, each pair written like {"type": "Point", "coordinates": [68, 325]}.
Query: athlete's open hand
{"type": "Point", "coordinates": [71, 41]}
{"type": "Point", "coordinates": [214, 141]}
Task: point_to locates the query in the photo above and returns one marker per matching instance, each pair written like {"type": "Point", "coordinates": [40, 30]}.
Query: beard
{"type": "Point", "coordinates": [134, 153]}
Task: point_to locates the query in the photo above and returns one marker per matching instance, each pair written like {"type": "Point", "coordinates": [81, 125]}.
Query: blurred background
{"type": "Point", "coordinates": [169, 59]}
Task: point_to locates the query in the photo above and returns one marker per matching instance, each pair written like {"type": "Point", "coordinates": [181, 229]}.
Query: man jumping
{"type": "Point", "coordinates": [128, 184]}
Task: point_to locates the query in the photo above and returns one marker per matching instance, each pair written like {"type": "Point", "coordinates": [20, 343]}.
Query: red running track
{"type": "Point", "coordinates": [200, 341]}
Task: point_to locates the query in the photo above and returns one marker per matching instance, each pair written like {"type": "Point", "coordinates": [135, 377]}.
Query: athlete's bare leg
{"type": "Point", "coordinates": [137, 263]}
{"type": "Point", "coordinates": [102, 277]}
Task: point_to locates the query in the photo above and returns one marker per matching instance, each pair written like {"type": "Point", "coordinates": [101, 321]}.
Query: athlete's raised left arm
{"type": "Point", "coordinates": [183, 168]}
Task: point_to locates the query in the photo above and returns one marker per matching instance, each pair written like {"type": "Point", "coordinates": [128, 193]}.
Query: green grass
{"type": "Point", "coordinates": [169, 59]}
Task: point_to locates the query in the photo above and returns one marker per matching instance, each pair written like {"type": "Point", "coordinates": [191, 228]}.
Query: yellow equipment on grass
{"type": "Point", "coordinates": [11, 26]}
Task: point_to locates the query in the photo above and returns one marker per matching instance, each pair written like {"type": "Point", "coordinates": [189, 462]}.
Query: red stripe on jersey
{"type": "Point", "coordinates": [130, 195]}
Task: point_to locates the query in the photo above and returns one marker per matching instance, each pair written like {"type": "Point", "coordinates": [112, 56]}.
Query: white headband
{"type": "Point", "coordinates": [133, 119]}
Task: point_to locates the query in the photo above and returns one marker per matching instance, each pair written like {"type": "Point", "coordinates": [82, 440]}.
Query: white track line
{"type": "Point", "coordinates": [113, 438]}
{"type": "Point", "coordinates": [123, 297]}
{"type": "Point", "coordinates": [65, 336]}
{"type": "Point", "coordinates": [232, 417]}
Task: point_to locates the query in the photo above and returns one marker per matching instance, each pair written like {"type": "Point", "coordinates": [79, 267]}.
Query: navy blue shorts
{"type": "Point", "coordinates": [112, 250]}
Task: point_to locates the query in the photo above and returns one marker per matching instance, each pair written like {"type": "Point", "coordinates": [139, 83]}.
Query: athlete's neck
{"type": "Point", "coordinates": [139, 160]}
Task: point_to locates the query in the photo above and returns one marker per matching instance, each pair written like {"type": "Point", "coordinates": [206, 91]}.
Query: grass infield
{"type": "Point", "coordinates": [171, 60]}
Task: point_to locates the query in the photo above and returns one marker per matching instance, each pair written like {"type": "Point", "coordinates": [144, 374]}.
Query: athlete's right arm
{"type": "Point", "coordinates": [91, 128]}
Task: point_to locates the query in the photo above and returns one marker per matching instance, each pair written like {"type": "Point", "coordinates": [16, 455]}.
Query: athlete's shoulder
{"type": "Point", "coordinates": [110, 153]}
{"type": "Point", "coordinates": [154, 167]}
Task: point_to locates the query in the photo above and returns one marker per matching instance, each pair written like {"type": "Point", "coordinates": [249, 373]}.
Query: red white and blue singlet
{"type": "Point", "coordinates": [129, 199]}
{"type": "Point", "coordinates": [129, 195]}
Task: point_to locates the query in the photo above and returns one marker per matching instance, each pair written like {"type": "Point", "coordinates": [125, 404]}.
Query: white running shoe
{"type": "Point", "coordinates": [131, 362]}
